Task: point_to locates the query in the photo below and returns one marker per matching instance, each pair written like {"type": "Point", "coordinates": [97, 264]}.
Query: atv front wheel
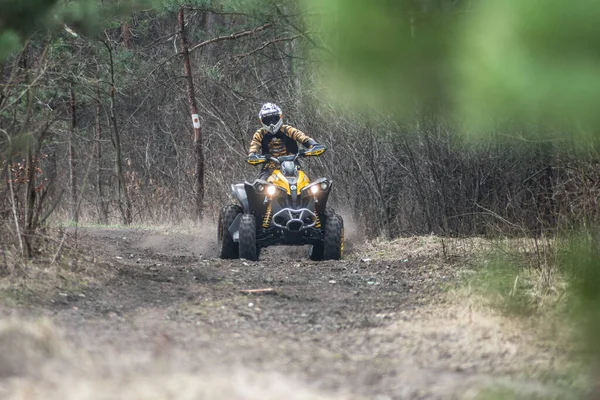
{"type": "Point", "coordinates": [227, 247]}
{"type": "Point", "coordinates": [333, 243]}
{"type": "Point", "coordinates": [247, 243]}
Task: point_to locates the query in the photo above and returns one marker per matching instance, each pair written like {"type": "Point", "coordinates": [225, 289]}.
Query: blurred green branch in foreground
{"type": "Point", "coordinates": [19, 19]}
{"type": "Point", "coordinates": [492, 64]}
{"type": "Point", "coordinates": [528, 70]}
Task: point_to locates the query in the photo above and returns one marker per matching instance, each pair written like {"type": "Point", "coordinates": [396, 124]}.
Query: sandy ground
{"type": "Point", "coordinates": [166, 320]}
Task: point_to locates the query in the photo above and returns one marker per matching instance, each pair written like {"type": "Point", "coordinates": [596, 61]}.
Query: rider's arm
{"type": "Point", "coordinates": [256, 143]}
{"type": "Point", "coordinates": [299, 136]}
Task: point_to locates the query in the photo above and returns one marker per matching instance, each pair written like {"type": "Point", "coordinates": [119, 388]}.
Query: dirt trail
{"type": "Point", "coordinates": [170, 323]}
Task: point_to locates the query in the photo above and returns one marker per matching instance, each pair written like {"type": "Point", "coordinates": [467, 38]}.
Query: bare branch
{"type": "Point", "coordinates": [232, 36]}
{"type": "Point", "coordinates": [214, 40]}
{"type": "Point", "coordinates": [206, 10]}
{"type": "Point", "coordinates": [264, 45]}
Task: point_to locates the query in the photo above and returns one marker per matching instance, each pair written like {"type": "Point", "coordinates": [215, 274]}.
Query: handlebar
{"type": "Point", "coordinates": [316, 150]}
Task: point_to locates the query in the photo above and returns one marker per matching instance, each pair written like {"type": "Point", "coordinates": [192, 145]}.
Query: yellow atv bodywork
{"type": "Point", "coordinates": [278, 179]}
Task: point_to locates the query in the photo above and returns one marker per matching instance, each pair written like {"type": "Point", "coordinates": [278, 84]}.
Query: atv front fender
{"type": "Point", "coordinates": [252, 201]}
{"type": "Point", "coordinates": [239, 192]}
{"type": "Point", "coordinates": [257, 201]}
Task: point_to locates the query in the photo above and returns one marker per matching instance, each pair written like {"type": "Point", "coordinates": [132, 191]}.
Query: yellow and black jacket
{"type": "Point", "coordinates": [280, 144]}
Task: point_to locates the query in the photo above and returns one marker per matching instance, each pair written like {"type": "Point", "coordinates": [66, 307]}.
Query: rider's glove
{"type": "Point", "coordinates": [254, 158]}
{"type": "Point", "coordinates": [310, 143]}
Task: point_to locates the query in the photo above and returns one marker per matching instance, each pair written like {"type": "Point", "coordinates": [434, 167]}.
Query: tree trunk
{"type": "Point", "coordinates": [72, 163]}
{"type": "Point", "coordinates": [30, 193]}
{"type": "Point", "coordinates": [199, 170]}
{"type": "Point", "coordinates": [103, 212]}
{"type": "Point", "coordinates": [121, 186]}
{"type": "Point", "coordinates": [33, 153]}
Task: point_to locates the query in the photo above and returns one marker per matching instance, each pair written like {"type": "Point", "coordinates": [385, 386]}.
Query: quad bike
{"type": "Point", "coordinates": [286, 209]}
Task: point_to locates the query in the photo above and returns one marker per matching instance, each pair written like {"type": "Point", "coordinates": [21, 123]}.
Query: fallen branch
{"type": "Point", "coordinates": [258, 291]}
{"type": "Point", "coordinates": [59, 251]}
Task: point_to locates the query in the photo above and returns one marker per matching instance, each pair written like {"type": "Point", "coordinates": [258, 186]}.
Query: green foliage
{"type": "Point", "coordinates": [507, 285]}
{"type": "Point", "coordinates": [513, 286]}
{"type": "Point", "coordinates": [24, 16]}
{"type": "Point", "coordinates": [9, 43]}
{"type": "Point", "coordinates": [174, 5]}
{"type": "Point", "coordinates": [582, 263]}
{"type": "Point", "coordinates": [84, 17]}
{"type": "Point", "coordinates": [260, 9]}
{"type": "Point", "coordinates": [391, 55]}
{"type": "Point", "coordinates": [496, 64]}
{"type": "Point", "coordinates": [532, 61]}
{"type": "Point", "coordinates": [88, 17]}
{"type": "Point", "coordinates": [20, 19]}
{"type": "Point", "coordinates": [216, 5]}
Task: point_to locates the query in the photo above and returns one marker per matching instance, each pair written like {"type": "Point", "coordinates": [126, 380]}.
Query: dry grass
{"type": "Point", "coordinates": [239, 385]}
{"type": "Point", "coordinates": [508, 268]}
{"type": "Point", "coordinates": [72, 268]}
{"type": "Point", "coordinates": [37, 363]}
{"type": "Point", "coordinates": [430, 247]}
{"type": "Point", "coordinates": [24, 346]}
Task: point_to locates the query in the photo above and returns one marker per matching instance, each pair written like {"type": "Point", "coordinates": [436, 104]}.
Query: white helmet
{"type": "Point", "coordinates": [271, 117]}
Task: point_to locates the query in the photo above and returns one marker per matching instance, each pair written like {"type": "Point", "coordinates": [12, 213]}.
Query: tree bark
{"type": "Point", "coordinates": [103, 211]}
{"type": "Point", "coordinates": [198, 150]}
{"type": "Point", "coordinates": [30, 193]}
{"type": "Point", "coordinates": [72, 162]}
{"type": "Point", "coordinates": [121, 186]}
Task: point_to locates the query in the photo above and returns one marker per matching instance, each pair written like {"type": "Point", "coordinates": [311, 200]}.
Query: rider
{"type": "Point", "coordinates": [275, 139]}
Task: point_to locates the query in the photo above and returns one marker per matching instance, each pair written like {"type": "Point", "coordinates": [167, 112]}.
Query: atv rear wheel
{"type": "Point", "coordinates": [316, 252]}
{"type": "Point", "coordinates": [227, 247]}
{"type": "Point", "coordinates": [333, 243]}
{"type": "Point", "coordinates": [247, 243]}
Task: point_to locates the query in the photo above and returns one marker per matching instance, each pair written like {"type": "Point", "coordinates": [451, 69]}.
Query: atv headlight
{"type": "Point", "coordinates": [324, 185]}
{"type": "Point", "coordinates": [260, 187]}
{"type": "Point", "coordinates": [314, 189]}
{"type": "Point", "coordinates": [271, 190]}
